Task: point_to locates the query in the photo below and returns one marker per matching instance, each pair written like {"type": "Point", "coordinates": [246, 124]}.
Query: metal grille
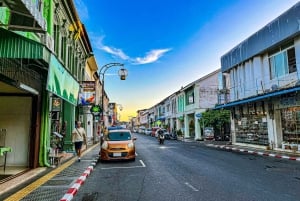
{"type": "Point", "coordinates": [16, 70]}
{"type": "Point", "coordinates": [2, 137]}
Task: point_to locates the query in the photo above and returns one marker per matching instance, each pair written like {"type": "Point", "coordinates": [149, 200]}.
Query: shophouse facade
{"type": "Point", "coordinates": [142, 118]}
{"type": "Point", "coordinates": [260, 85]}
{"type": "Point", "coordinates": [41, 65]}
{"type": "Point", "coordinates": [199, 96]}
{"type": "Point", "coordinates": [172, 113]}
{"type": "Point", "coordinates": [181, 110]}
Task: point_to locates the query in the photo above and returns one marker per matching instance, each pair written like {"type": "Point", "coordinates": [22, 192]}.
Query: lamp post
{"type": "Point", "coordinates": [122, 73]}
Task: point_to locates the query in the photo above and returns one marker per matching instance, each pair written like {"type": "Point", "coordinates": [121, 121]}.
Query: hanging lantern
{"type": "Point", "coordinates": [123, 73]}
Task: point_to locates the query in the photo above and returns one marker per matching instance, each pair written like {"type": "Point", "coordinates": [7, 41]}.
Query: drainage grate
{"type": "Point", "coordinates": [57, 182]}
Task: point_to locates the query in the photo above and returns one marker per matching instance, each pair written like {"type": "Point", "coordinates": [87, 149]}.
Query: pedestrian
{"type": "Point", "coordinates": [78, 137]}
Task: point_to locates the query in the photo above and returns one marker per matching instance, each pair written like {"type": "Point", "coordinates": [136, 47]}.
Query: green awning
{"type": "Point", "coordinates": [13, 46]}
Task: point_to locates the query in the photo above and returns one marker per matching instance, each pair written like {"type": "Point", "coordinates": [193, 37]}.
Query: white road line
{"type": "Point", "coordinates": [143, 164]}
{"type": "Point", "coordinates": [130, 167]}
{"type": "Point", "coordinates": [192, 187]}
{"type": "Point", "coordinates": [121, 167]}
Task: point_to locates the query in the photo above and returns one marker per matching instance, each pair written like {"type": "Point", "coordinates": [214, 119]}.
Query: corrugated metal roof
{"type": "Point", "coordinates": [13, 45]}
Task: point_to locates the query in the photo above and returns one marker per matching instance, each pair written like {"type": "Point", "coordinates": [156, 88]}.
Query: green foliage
{"type": "Point", "coordinates": [179, 132]}
{"type": "Point", "coordinates": [216, 118]}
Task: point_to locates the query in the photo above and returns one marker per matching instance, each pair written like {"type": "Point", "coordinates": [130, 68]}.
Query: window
{"type": "Point", "coordinates": [56, 38]}
{"type": "Point", "coordinates": [282, 63]}
{"type": "Point", "coordinates": [190, 97]}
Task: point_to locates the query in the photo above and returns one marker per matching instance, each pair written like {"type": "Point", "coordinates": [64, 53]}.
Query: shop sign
{"type": "Point", "coordinates": [88, 86]}
{"type": "Point", "coordinates": [289, 100]}
{"type": "Point", "coordinates": [56, 104]}
{"type": "Point", "coordinates": [96, 110]}
{"type": "Point", "coordinates": [61, 83]}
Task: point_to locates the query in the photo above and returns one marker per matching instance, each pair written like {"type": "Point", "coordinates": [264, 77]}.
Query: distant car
{"type": "Point", "coordinates": [148, 131]}
{"type": "Point", "coordinates": [142, 129]}
{"type": "Point", "coordinates": [209, 133]}
{"type": "Point", "coordinates": [118, 145]}
{"type": "Point", "coordinates": [153, 131]}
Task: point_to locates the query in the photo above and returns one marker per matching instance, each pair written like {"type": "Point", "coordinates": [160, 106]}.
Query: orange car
{"type": "Point", "coordinates": [118, 145]}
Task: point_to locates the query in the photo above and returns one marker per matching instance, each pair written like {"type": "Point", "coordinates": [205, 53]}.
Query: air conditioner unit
{"type": "Point", "coordinates": [48, 41]}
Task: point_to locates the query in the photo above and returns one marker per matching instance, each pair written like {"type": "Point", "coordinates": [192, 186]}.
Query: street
{"type": "Point", "coordinates": [191, 171]}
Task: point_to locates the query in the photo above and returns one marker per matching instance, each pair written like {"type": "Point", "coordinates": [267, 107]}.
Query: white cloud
{"type": "Point", "coordinates": [116, 52]}
{"type": "Point", "coordinates": [151, 56]}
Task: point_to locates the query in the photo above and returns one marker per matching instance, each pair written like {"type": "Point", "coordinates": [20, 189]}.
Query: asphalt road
{"type": "Point", "coordinates": [191, 171]}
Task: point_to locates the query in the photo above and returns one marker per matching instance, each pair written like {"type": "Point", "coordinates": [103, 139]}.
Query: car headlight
{"type": "Point", "coordinates": [104, 145]}
{"type": "Point", "coordinates": [130, 145]}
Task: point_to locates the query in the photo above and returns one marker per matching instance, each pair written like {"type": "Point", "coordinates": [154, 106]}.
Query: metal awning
{"type": "Point", "coordinates": [25, 15]}
{"type": "Point", "coordinates": [260, 97]}
{"type": "Point", "coordinates": [13, 46]}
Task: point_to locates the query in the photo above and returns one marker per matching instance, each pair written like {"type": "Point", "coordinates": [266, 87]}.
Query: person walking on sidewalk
{"type": "Point", "coordinates": [78, 137]}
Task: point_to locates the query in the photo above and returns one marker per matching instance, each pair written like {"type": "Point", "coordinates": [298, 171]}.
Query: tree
{"type": "Point", "coordinates": [216, 119]}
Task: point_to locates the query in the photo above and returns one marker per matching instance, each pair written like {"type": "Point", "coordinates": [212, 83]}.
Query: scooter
{"type": "Point", "coordinates": [161, 139]}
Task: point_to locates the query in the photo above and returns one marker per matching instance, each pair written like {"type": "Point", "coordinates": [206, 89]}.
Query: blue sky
{"type": "Point", "coordinates": [167, 44]}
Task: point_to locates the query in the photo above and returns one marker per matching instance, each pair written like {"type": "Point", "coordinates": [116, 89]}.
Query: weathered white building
{"type": "Point", "coordinates": [261, 82]}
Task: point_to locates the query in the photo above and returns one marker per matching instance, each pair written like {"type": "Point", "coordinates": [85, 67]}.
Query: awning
{"type": "Point", "coordinates": [161, 118]}
{"type": "Point", "coordinates": [13, 46]}
{"type": "Point", "coordinates": [260, 97]}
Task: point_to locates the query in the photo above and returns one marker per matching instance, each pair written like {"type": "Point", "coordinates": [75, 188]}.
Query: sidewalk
{"type": "Point", "coordinates": [225, 145]}
{"type": "Point", "coordinates": [54, 180]}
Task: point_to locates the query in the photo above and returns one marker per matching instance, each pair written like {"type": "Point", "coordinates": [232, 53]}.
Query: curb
{"type": "Point", "coordinates": [255, 152]}
{"type": "Point", "coordinates": [78, 183]}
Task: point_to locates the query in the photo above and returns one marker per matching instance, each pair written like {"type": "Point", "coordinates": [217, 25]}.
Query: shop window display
{"type": "Point", "coordinates": [252, 129]}
{"type": "Point", "coordinates": [291, 128]}
{"type": "Point", "coordinates": [251, 124]}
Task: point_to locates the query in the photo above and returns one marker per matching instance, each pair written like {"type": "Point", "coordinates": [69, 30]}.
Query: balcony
{"type": "Point", "coordinates": [24, 15]}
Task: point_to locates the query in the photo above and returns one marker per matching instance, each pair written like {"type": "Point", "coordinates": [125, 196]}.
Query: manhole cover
{"type": "Point", "coordinates": [90, 196]}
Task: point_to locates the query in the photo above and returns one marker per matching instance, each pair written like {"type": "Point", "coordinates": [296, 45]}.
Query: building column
{"type": "Point", "coordinates": [186, 126]}
{"type": "Point", "coordinates": [197, 129]}
{"type": "Point", "coordinates": [274, 130]}
{"type": "Point", "coordinates": [232, 129]}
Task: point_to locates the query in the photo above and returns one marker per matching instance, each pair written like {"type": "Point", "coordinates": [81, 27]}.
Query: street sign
{"type": "Point", "coordinates": [198, 115]}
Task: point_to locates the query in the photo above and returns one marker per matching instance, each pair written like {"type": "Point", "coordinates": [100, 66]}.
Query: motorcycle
{"type": "Point", "coordinates": [173, 136]}
{"type": "Point", "coordinates": [161, 139]}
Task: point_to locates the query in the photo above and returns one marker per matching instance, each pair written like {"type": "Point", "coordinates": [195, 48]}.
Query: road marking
{"type": "Point", "coordinates": [143, 164]}
{"type": "Point", "coordinates": [192, 187]}
{"type": "Point", "coordinates": [128, 167]}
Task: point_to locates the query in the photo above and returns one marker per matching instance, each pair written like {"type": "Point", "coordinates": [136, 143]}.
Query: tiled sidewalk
{"type": "Point", "coordinates": [255, 151]}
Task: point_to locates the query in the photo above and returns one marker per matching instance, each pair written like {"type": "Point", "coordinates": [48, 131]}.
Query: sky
{"type": "Point", "coordinates": [167, 44]}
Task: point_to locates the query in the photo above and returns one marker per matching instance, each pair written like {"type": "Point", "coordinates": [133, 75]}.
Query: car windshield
{"type": "Point", "coordinates": [118, 136]}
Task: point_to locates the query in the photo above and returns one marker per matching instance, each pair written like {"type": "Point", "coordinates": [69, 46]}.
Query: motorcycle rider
{"type": "Point", "coordinates": [161, 136]}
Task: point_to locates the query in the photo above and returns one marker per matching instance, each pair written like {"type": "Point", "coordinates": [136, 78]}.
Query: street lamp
{"type": "Point", "coordinates": [122, 73]}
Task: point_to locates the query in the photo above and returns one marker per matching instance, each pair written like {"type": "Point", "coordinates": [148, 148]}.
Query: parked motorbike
{"type": "Point", "coordinates": [173, 136]}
